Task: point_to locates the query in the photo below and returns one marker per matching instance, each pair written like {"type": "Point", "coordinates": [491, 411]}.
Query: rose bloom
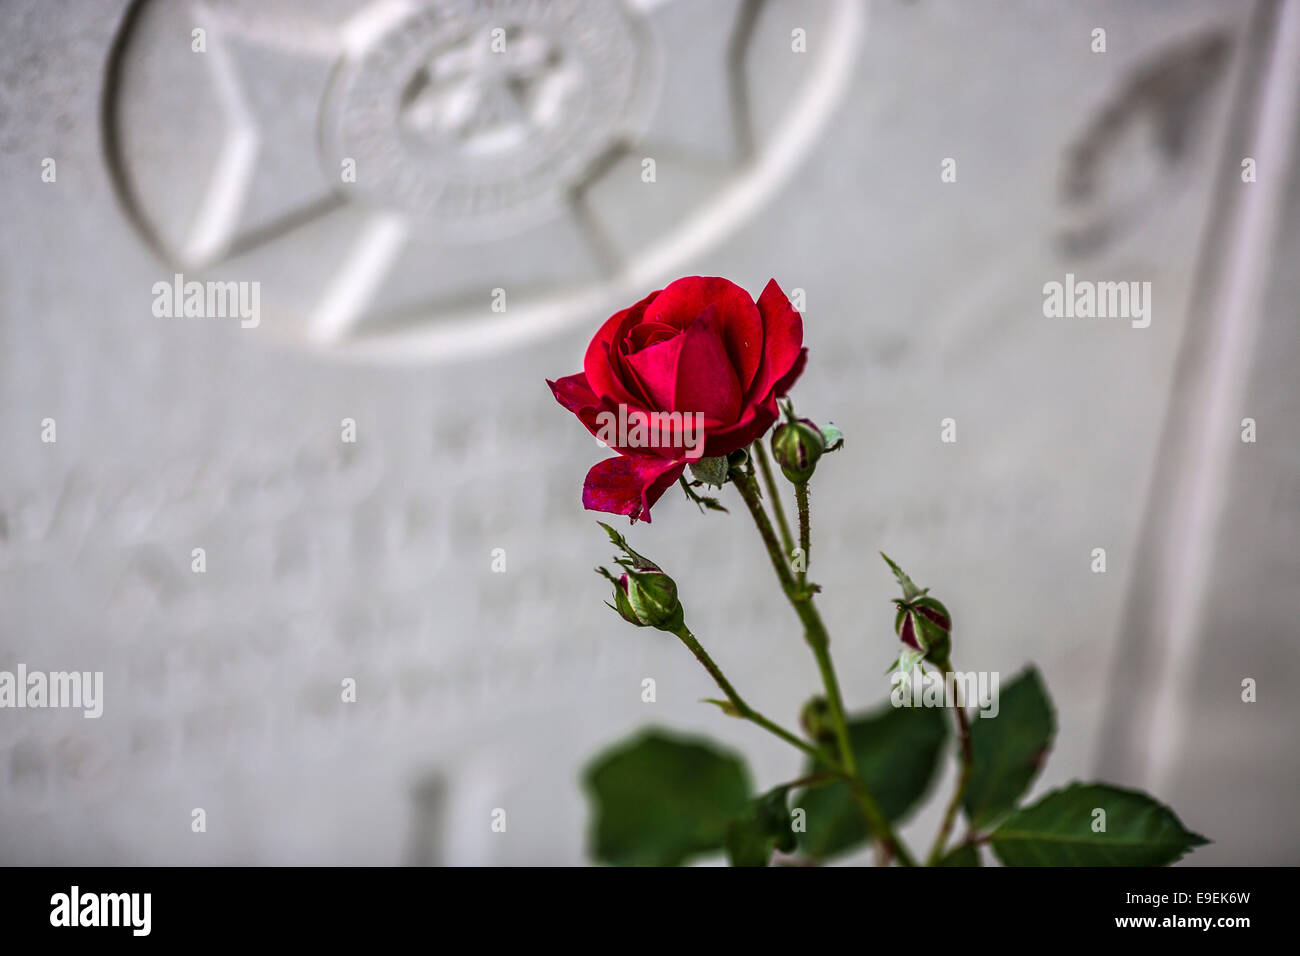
{"type": "Point", "coordinates": [701, 346]}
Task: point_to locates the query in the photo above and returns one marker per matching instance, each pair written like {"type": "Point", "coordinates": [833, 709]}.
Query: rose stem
{"type": "Point", "coordinates": [774, 495]}
{"type": "Point", "coordinates": [745, 711]}
{"type": "Point", "coordinates": [805, 529]}
{"type": "Point", "coordinates": [818, 639]}
{"type": "Point", "coordinates": [967, 761]}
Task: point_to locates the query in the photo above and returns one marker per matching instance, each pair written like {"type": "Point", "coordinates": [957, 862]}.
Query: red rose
{"type": "Point", "coordinates": [700, 347]}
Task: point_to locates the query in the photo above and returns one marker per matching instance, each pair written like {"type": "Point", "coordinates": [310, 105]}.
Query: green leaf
{"type": "Point", "coordinates": [1058, 830]}
{"type": "Point", "coordinates": [705, 503]}
{"type": "Point", "coordinates": [764, 827]}
{"type": "Point", "coordinates": [897, 751]}
{"type": "Point", "coordinates": [908, 658]}
{"type": "Point", "coordinates": [711, 471]}
{"type": "Point", "coordinates": [833, 437]}
{"type": "Point", "coordinates": [726, 706]}
{"type": "Point", "coordinates": [1009, 749]}
{"type": "Point", "coordinates": [660, 799]}
{"type": "Point", "coordinates": [966, 854]}
{"type": "Point", "coordinates": [747, 843]}
{"type": "Point", "coordinates": [635, 560]}
{"type": "Point", "coordinates": [910, 590]}
{"type": "Point", "coordinates": [702, 502]}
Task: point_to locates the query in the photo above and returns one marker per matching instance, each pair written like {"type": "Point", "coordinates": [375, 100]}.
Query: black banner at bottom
{"type": "Point", "coordinates": [333, 906]}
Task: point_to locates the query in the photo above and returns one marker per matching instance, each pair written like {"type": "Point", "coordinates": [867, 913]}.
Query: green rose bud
{"type": "Point", "coordinates": [797, 443]}
{"type": "Point", "coordinates": [921, 622]}
{"type": "Point", "coordinates": [622, 603]}
{"type": "Point", "coordinates": [924, 625]}
{"type": "Point", "coordinates": [796, 446]}
{"type": "Point", "coordinates": [643, 594]}
{"type": "Point", "coordinates": [815, 718]}
{"type": "Point", "coordinates": [653, 598]}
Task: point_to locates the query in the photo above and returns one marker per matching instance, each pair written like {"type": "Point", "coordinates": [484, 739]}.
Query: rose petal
{"type": "Point", "coordinates": [908, 632]}
{"type": "Point", "coordinates": [782, 340]}
{"type": "Point", "coordinates": [786, 381]}
{"type": "Point", "coordinates": [706, 380]}
{"type": "Point", "coordinates": [673, 435]}
{"type": "Point", "coordinates": [649, 333]}
{"type": "Point", "coordinates": [756, 420]}
{"type": "Point", "coordinates": [596, 363]}
{"type": "Point", "coordinates": [576, 395]}
{"type": "Point", "coordinates": [626, 375]}
{"type": "Point", "coordinates": [936, 617]}
{"type": "Point", "coordinates": [629, 484]}
{"type": "Point", "coordinates": [681, 302]}
{"type": "Point", "coordinates": [656, 370]}
{"type": "Point", "coordinates": [601, 420]}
